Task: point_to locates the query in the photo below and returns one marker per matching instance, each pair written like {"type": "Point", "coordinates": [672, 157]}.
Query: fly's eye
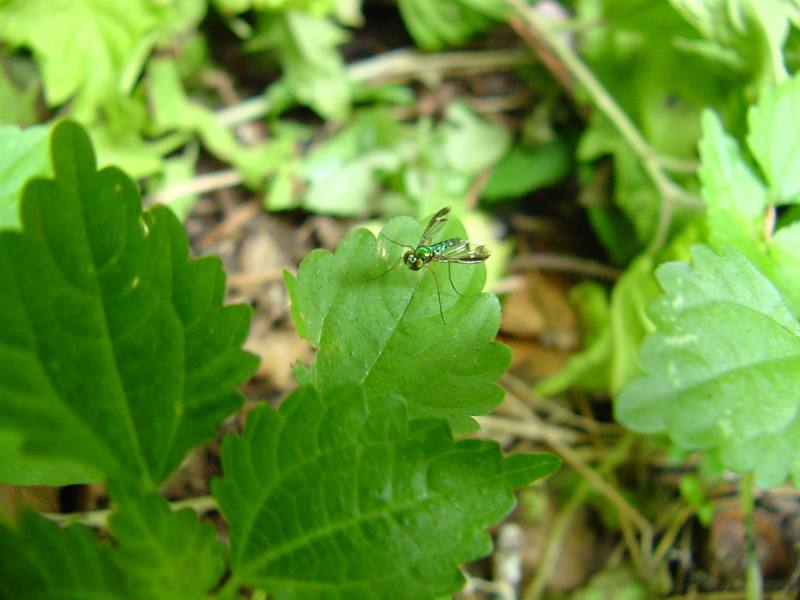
{"type": "Point", "coordinates": [409, 258]}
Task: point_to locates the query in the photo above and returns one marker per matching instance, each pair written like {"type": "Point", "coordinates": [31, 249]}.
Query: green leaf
{"type": "Point", "coordinates": [92, 49]}
{"type": "Point", "coordinates": [42, 561]}
{"type": "Point", "coordinates": [158, 555]}
{"type": "Point", "coordinates": [386, 332]}
{"type": "Point", "coordinates": [723, 369]}
{"type": "Point", "coordinates": [524, 170]}
{"type": "Point", "coordinates": [749, 34]}
{"type": "Point", "coordinates": [173, 110]}
{"type": "Point", "coordinates": [344, 172]}
{"type": "Point", "coordinates": [23, 154]}
{"type": "Point", "coordinates": [773, 122]}
{"type": "Point", "coordinates": [336, 496]}
{"type": "Point", "coordinates": [313, 69]}
{"type": "Point", "coordinates": [784, 264]}
{"type": "Point", "coordinates": [471, 143]}
{"type": "Point", "coordinates": [165, 554]}
{"type": "Point", "coordinates": [735, 197]}
{"type": "Point", "coordinates": [115, 349]}
{"type": "Point", "coordinates": [435, 24]}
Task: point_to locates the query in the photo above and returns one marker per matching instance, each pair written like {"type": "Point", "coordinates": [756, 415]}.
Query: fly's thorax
{"type": "Point", "coordinates": [419, 257]}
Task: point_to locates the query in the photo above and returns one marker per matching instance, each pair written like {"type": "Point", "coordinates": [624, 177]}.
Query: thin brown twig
{"type": "Point", "coordinates": [560, 262]}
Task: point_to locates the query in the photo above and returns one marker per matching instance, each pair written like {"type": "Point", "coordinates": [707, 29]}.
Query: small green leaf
{"type": "Point", "coordinates": [723, 369]}
{"type": "Point", "coordinates": [115, 350]}
{"type": "Point", "coordinates": [525, 170]}
{"type": "Point", "coordinates": [773, 122]}
{"type": "Point", "coordinates": [307, 49]}
{"type": "Point", "coordinates": [23, 154]}
{"type": "Point", "coordinates": [386, 332]}
{"type": "Point", "coordinates": [435, 24]}
{"type": "Point", "coordinates": [336, 496]}
{"type": "Point", "coordinates": [471, 143]}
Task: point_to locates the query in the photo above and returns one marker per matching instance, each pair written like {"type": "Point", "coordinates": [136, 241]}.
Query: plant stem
{"type": "Point", "coordinates": [753, 583]}
{"type": "Point", "coordinates": [672, 194]}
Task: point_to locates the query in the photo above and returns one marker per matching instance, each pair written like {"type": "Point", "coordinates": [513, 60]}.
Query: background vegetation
{"type": "Point", "coordinates": [634, 166]}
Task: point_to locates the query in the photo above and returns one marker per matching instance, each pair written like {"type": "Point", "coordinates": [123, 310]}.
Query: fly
{"type": "Point", "coordinates": [453, 250]}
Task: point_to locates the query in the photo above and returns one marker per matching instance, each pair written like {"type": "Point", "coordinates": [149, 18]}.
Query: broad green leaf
{"type": "Point", "coordinates": [92, 49]}
{"type": "Point", "coordinates": [774, 122]}
{"type": "Point", "coordinates": [164, 554]}
{"type": "Point", "coordinates": [312, 67]}
{"type": "Point", "coordinates": [723, 369]}
{"type": "Point", "coordinates": [435, 24]}
{"type": "Point", "coordinates": [337, 496]}
{"type": "Point", "coordinates": [234, 7]}
{"type": "Point", "coordinates": [23, 154]}
{"type": "Point", "coordinates": [524, 170]}
{"type": "Point", "coordinates": [115, 349]}
{"type": "Point", "coordinates": [157, 555]}
{"type": "Point", "coordinates": [386, 332]}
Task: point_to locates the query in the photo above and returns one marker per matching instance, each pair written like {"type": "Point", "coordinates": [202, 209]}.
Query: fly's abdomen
{"type": "Point", "coordinates": [440, 247]}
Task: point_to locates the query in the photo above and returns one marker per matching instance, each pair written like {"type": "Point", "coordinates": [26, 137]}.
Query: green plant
{"type": "Point", "coordinates": [117, 358]}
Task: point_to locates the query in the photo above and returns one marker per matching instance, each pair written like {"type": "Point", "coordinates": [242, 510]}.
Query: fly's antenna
{"type": "Point", "coordinates": [396, 243]}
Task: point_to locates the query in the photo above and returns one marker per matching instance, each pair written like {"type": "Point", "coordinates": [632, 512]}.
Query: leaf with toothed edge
{"type": "Point", "coordinates": [115, 349]}
{"type": "Point", "coordinates": [386, 332]}
{"type": "Point", "coordinates": [336, 496]}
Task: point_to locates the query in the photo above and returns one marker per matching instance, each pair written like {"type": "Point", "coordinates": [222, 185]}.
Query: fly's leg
{"type": "Point", "coordinates": [453, 285]}
{"type": "Point", "coordinates": [438, 293]}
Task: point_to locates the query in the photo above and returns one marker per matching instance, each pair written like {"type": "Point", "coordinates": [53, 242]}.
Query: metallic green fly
{"type": "Point", "coordinates": [454, 250]}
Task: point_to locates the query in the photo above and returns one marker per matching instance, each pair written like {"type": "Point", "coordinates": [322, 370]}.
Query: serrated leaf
{"type": "Point", "coordinates": [115, 349]}
{"type": "Point", "coordinates": [158, 555]}
{"type": "Point", "coordinates": [43, 561]}
{"type": "Point", "coordinates": [386, 332]}
{"type": "Point", "coordinates": [164, 554]}
{"type": "Point", "coordinates": [336, 496]}
{"type": "Point", "coordinates": [723, 369]}
{"type": "Point", "coordinates": [773, 123]}
{"type": "Point", "coordinates": [92, 49]}
{"type": "Point", "coordinates": [23, 154]}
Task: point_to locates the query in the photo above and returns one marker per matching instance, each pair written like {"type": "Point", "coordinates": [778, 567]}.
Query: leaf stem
{"type": "Point", "coordinates": [753, 581]}
{"type": "Point", "coordinates": [671, 193]}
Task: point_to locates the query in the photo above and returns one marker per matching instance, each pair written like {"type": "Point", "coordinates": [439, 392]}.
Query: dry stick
{"type": "Point", "coordinates": [601, 485]}
{"type": "Point", "coordinates": [563, 263]}
{"type": "Point", "coordinates": [396, 65]}
{"type": "Point", "coordinates": [561, 523]}
{"type": "Point", "coordinates": [207, 182]}
{"type": "Point", "coordinates": [671, 193]}
{"type": "Point", "coordinates": [99, 518]}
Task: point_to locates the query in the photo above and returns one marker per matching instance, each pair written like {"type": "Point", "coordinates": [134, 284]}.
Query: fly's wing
{"type": "Point", "coordinates": [465, 253]}
{"type": "Point", "coordinates": [434, 226]}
